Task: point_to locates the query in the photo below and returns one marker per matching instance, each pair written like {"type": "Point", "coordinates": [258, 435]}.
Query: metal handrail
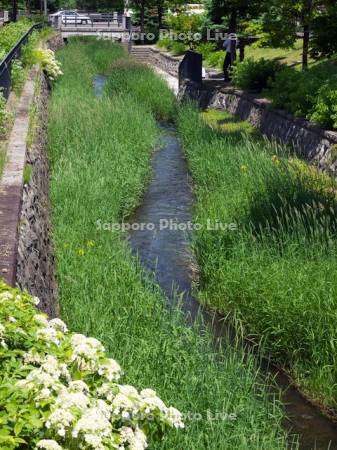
{"type": "Point", "coordinates": [6, 63]}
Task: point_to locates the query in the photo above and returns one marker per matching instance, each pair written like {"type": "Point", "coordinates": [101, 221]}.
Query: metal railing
{"type": "Point", "coordinates": [93, 20]}
{"type": "Point", "coordinates": [6, 63]}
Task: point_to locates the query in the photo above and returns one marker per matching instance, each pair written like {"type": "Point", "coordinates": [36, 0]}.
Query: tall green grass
{"type": "Point", "coordinates": [277, 272]}
{"type": "Point", "coordinates": [100, 150]}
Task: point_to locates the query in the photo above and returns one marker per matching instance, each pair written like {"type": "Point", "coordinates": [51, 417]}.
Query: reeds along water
{"type": "Point", "coordinates": [166, 254]}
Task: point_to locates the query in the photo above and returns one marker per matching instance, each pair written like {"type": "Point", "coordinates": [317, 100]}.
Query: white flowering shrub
{"type": "Point", "coordinates": [59, 390]}
{"type": "Point", "coordinates": [46, 59]}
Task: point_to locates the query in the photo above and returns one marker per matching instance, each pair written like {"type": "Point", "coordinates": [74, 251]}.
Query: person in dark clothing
{"type": "Point", "coordinates": [230, 47]}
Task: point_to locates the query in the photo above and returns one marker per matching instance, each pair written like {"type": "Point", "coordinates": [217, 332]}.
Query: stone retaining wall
{"type": "Point", "coordinates": [317, 146]}
{"type": "Point", "coordinates": [163, 60]}
{"type": "Point", "coordinates": [26, 254]}
{"type": "Point", "coordinates": [55, 43]}
{"type": "Point", "coordinates": [35, 265]}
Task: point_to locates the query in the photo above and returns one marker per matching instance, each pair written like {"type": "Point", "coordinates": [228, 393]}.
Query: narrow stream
{"type": "Point", "coordinates": [163, 250]}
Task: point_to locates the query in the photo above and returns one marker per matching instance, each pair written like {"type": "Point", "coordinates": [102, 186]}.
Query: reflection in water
{"type": "Point", "coordinates": [164, 251]}
{"type": "Point", "coordinates": [99, 83]}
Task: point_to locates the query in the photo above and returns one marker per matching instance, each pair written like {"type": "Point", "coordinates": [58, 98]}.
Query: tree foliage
{"type": "Point", "coordinates": [324, 33]}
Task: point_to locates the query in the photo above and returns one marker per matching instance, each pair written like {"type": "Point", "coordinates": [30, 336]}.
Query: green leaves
{"type": "Point", "coordinates": [10, 34]}
{"type": "Point", "coordinates": [255, 75]}
{"type": "Point", "coordinates": [310, 94]}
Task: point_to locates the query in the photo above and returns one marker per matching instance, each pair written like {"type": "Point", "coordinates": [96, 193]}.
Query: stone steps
{"type": "Point", "coordinates": [140, 54]}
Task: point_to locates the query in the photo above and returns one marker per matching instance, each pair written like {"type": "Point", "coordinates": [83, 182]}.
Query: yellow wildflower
{"type": "Point", "coordinates": [275, 159]}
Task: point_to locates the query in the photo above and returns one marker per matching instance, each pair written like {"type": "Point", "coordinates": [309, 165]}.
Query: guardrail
{"type": "Point", "coordinates": [93, 20]}
{"type": "Point", "coordinates": [6, 63]}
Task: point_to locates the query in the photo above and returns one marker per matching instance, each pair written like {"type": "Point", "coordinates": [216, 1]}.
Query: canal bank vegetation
{"type": "Point", "coordinates": [277, 273]}
{"type": "Point", "coordinates": [100, 149]}
{"type": "Point", "coordinates": [60, 391]}
{"type": "Point", "coordinates": [32, 53]}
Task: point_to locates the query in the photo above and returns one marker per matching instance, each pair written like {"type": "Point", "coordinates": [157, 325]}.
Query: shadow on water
{"type": "Point", "coordinates": [163, 249]}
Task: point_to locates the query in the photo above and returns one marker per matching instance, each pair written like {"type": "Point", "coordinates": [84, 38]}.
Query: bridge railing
{"type": "Point", "coordinates": [6, 63]}
{"type": "Point", "coordinates": [93, 20]}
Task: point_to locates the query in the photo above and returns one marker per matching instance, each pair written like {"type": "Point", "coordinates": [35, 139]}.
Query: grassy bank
{"type": "Point", "coordinates": [100, 151]}
{"type": "Point", "coordinates": [277, 272]}
{"type": "Point", "coordinates": [214, 57]}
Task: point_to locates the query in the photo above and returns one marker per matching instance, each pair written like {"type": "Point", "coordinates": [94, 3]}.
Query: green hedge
{"type": "Point", "coordinates": [11, 33]}
{"type": "Point", "coordinates": [255, 75]}
{"type": "Point", "coordinates": [311, 93]}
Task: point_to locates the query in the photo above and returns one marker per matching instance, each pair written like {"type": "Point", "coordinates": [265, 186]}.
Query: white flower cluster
{"type": "Point", "coordinates": [70, 375]}
{"type": "Point", "coordinates": [48, 444]}
{"type": "Point", "coordinates": [127, 404]}
{"type": "Point", "coordinates": [46, 58]}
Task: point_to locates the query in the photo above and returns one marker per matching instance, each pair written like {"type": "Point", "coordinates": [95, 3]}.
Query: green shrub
{"type": "Point", "coordinates": [4, 115]}
{"type": "Point", "coordinates": [178, 48]}
{"type": "Point", "coordinates": [47, 61]}
{"type": "Point", "coordinates": [206, 49]}
{"type": "Point", "coordinates": [309, 94]}
{"type": "Point", "coordinates": [12, 32]}
{"type": "Point", "coordinates": [216, 59]}
{"type": "Point", "coordinates": [175, 47]}
{"type": "Point", "coordinates": [27, 51]}
{"type": "Point", "coordinates": [255, 75]}
{"type": "Point", "coordinates": [27, 173]}
{"type": "Point", "coordinates": [17, 76]}
{"type": "Point", "coordinates": [324, 111]}
{"type": "Point", "coordinates": [60, 390]}
{"type": "Point", "coordinates": [165, 42]}
{"type": "Point", "coordinates": [295, 91]}
{"type": "Point", "coordinates": [187, 24]}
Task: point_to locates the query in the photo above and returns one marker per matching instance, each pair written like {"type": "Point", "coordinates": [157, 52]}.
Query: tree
{"type": "Point", "coordinates": [151, 7]}
{"type": "Point", "coordinates": [323, 41]}
{"type": "Point", "coordinates": [187, 25]}
{"type": "Point", "coordinates": [283, 20]}
{"type": "Point", "coordinates": [14, 10]}
{"type": "Point", "coordinates": [141, 6]}
{"type": "Point", "coordinates": [232, 12]}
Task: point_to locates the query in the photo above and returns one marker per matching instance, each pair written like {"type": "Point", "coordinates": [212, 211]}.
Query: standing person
{"type": "Point", "coordinates": [230, 47]}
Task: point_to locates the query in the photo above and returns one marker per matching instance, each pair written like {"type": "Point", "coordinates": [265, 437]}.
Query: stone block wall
{"type": "Point", "coordinates": [161, 59]}
{"type": "Point", "coordinates": [317, 146]}
{"type": "Point", "coordinates": [165, 61]}
{"type": "Point", "coordinates": [35, 265]}
{"type": "Point", "coordinates": [26, 253]}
